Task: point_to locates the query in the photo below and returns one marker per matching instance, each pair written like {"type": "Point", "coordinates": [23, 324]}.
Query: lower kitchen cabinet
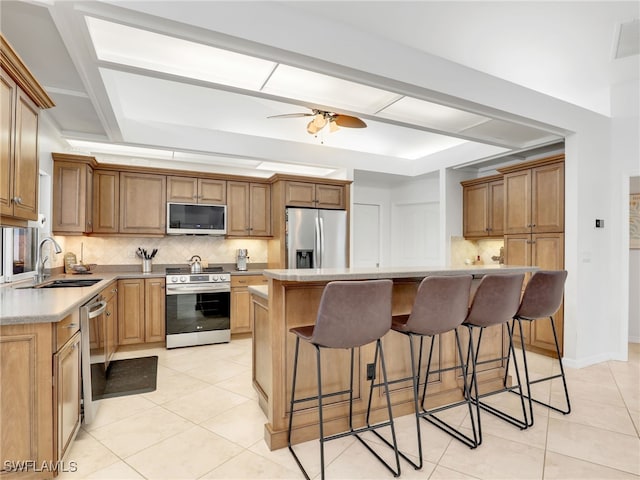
{"type": "Point", "coordinates": [545, 250]}
{"type": "Point", "coordinates": [40, 393]}
{"type": "Point", "coordinates": [241, 301]}
{"type": "Point", "coordinates": [141, 310]}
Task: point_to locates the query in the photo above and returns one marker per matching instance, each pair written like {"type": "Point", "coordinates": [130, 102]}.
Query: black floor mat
{"type": "Point", "coordinates": [125, 377]}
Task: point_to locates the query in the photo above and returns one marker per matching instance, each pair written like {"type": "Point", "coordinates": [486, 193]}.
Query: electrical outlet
{"type": "Point", "coordinates": [371, 371]}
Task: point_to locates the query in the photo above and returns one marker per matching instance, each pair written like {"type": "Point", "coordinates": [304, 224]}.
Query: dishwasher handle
{"type": "Point", "coordinates": [96, 312]}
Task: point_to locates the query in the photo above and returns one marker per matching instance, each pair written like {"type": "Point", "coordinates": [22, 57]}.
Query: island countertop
{"type": "Point", "coordinates": [329, 274]}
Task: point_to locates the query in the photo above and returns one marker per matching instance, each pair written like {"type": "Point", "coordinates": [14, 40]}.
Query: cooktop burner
{"type": "Point", "coordinates": [182, 270]}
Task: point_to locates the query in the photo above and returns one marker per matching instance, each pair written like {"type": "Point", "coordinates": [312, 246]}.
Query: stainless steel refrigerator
{"type": "Point", "coordinates": [316, 238]}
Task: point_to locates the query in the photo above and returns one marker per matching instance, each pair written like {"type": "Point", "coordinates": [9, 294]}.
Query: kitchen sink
{"type": "Point", "coordinates": [69, 282]}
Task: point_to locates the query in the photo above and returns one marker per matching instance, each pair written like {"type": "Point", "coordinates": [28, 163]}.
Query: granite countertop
{"type": "Point", "coordinates": [20, 305]}
{"type": "Point", "coordinates": [259, 290]}
{"type": "Point", "coordinates": [329, 274]}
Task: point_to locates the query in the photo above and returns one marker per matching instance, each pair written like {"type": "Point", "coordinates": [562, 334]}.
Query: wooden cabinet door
{"type": "Point", "coordinates": [517, 202]}
{"type": "Point", "coordinates": [106, 201]}
{"type": "Point", "coordinates": [240, 304]}
{"type": "Point", "coordinates": [548, 253]}
{"type": "Point", "coordinates": [475, 209]}
{"type": "Point", "coordinates": [238, 209]}
{"type": "Point", "coordinates": [154, 310]}
{"type": "Point", "coordinates": [496, 208]}
{"type": "Point", "coordinates": [299, 194]}
{"type": "Point", "coordinates": [547, 200]}
{"type": "Point", "coordinates": [241, 301]}
{"type": "Point", "coordinates": [143, 199]}
{"type": "Point", "coordinates": [212, 191]}
{"type": "Point", "coordinates": [260, 209]}
{"type": "Point", "coordinates": [26, 423]}
{"type": "Point", "coordinates": [7, 114]}
{"type": "Point", "coordinates": [182, 189]}
{"type": "Point", "coordinates": [71, 191]}
{"type": "Point", "coordinates": [67, 393]}
{"type": "Point", "coordinates": [330, 196]}
{"type": "Point", "coordinates": [88, 201]}
{"type": "Point", "coordinates": [26, 174]}
{"type": "Point", "coordinates": [517, 251]}
{"type": "Point", "coordinates": [130, 311]}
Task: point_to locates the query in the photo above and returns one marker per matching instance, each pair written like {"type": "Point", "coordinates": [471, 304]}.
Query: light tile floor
{"type": "Point", "coordinates": [203, 421]}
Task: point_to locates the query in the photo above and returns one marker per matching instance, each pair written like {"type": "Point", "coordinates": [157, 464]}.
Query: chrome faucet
{"type": "Point", "coordinates": [40, 276]}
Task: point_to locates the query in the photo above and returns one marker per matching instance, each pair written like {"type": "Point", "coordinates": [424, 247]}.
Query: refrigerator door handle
{"type": "Point", "coordinates": [318, 257]}
{"type": "Point", "coordinates": [321, 242]}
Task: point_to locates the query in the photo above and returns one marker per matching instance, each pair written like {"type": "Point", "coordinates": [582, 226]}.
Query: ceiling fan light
{"type": "Point", "coordinates": [333, 126]}
{"type": "Point", "coordinates": [319, 121]}
{"type": "Point", "coordinates": [312, 128]}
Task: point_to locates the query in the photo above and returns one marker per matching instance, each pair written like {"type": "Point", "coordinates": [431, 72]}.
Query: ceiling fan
{"type": "Point", "coordinates": [322, 117]}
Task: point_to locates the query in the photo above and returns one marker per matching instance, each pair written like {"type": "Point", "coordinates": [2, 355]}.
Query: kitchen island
{"type": "Point", "coordinates": [293, 299]}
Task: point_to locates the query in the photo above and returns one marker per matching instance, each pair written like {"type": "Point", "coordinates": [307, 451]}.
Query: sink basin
{"type": "Point", "coordinates": [69, 282]}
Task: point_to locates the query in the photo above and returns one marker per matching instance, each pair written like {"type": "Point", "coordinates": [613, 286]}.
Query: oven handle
{"type": "Point", "coordinates": [185, 290]}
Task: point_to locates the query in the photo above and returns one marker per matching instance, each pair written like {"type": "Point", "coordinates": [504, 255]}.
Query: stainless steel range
{"type": "Point", "coordinates": [198, 307]}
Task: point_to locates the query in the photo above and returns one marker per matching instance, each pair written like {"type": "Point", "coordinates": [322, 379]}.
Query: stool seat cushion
{"type": "Point", "coordinates": [543, 295]}
{"type": "Point", "coordinates": [305, 332]}
{"type": "Point", "coordinates": [399, 322]}
{"type": "Point", "coordinates": [496, 300]}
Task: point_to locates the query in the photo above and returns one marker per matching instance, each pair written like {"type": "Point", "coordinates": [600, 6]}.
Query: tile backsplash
{"type": "Point", "coordinates": [463, 250]}
{"type": "Point", "coordinates": [171, 249]}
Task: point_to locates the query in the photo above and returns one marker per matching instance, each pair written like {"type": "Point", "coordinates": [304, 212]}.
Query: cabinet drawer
{"type": "Point", "coordinates": [246, 280]}
{"type": "Point", "coordinates": [66, 328]}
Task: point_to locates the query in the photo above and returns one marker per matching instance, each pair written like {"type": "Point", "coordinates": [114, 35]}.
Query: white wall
{"type": "Point", "coordinates": [410, 218]}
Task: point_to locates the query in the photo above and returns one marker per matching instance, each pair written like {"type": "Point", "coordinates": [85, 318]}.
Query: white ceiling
{"type": "Point", "coordinates": [562, 49]}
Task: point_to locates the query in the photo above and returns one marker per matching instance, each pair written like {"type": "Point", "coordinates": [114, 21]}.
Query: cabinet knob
{"type": "Point", "coordinates": [71, 325]}
{"type": "Point", "coordinates": [108, 314]}
{"type": "Point", "coordinates": [17, 200]}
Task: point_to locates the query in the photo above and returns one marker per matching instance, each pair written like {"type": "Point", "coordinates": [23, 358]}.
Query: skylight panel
{"type": "Point", "coordinates": [323, 89]}
{"type": "Point", "coordinates": [135, 47]}
{"type": "Point", "coordinates": [431, 115]}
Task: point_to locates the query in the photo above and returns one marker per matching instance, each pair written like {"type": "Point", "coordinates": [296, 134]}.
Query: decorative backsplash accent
{"type": "Point", "coordinates": [171, 249]}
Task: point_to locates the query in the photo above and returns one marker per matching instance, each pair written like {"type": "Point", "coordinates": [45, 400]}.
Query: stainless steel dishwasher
{"type": "Point", "coordinates": [93, 309]}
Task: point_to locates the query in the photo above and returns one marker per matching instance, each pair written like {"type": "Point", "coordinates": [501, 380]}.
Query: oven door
{"type": "Point", "coordinates": [197, 308]}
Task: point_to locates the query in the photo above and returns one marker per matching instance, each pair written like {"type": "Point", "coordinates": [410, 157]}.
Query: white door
{"type": "Point", "coordinates": [366, 235]}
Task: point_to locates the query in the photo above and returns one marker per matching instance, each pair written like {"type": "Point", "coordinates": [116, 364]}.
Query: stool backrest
{"type": "Point", "coordinates": [441, 304]}
{"type": "Point", "coordinates": [353, 313]}
{"type": "Point", "coordinates": [496, 300]}
{"type": "Point", "coordinates": [543, 294]}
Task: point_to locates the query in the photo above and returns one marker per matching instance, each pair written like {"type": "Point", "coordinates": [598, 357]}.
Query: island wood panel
{"type": "Point", "coordinates": [261, 349]}
{"type": "Point", "coordinates": [294, 304]}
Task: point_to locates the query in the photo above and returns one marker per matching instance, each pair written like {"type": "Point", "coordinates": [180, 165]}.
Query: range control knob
{"type": "Point", "coordinates": [215, 278]}
{"type": "Point", "coordinates": [174, 279]}
{"type": "Point", "coordinates": [183, 279]}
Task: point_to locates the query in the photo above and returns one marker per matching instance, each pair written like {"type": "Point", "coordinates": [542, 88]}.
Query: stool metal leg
{"type": "Point", "coordinates": [561, 375]}
{"type": "Point", "coordinates": [522, 424]}
{"type": "Point", "coordinates": [293, 401]}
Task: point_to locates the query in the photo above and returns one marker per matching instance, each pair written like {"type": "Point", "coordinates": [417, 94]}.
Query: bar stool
{"type": "Point", "coordinates": [541, 299]}
{"type": "Point", "coordinates": [495, 303]}
{"type": "Point", "coordinates": [440, 306]}
{"type": "Point", "coordinates": [351, 314]}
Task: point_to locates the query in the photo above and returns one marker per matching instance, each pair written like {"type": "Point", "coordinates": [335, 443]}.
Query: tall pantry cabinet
{"type": "Point", "coordinates": [534, 232]}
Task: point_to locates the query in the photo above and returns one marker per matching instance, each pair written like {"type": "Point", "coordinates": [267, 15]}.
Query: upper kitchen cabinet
{"type": "Point", "coordinates": [21, 98]}
{"type": "Point", "coordinates": [143, 199]}
{"type": "Point", "coordinates": [483, 207]}
{"type": "Point", "coordinates": [196, 190]}
{"type": "Point", "coordinates": [106, 201]}
{"type": "Point", "coordinates": [72, 196]}
{"type": "Point", "coordinates": [534, 196]}
{"type": "Point", "coordinates": [248, 209]}
{"type": "Point", "coordinates": [315, 195]}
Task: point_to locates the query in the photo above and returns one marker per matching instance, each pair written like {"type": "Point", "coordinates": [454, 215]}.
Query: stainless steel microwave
{"type": "Point", "coordinates": [196, 219]}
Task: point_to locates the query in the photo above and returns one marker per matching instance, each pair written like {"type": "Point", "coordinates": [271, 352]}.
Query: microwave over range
{"type": "Point", "coordinates": [196, 219]}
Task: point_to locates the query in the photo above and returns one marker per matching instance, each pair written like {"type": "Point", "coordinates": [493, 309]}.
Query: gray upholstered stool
{"type": "Point", "coordinates": [495, 302]}
{"type": "Point", "coordinates": [541, 299]}
{"type": "Point", "coordinates": [440, 306]}
{"type": "Point", "coordinates": [350, 315]}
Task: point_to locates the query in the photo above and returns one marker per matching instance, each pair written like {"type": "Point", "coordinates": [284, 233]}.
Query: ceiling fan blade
{"type": "Point", "coordinates": [349, 121]}
{"type": "Point", "coordinates": [292, 115]}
